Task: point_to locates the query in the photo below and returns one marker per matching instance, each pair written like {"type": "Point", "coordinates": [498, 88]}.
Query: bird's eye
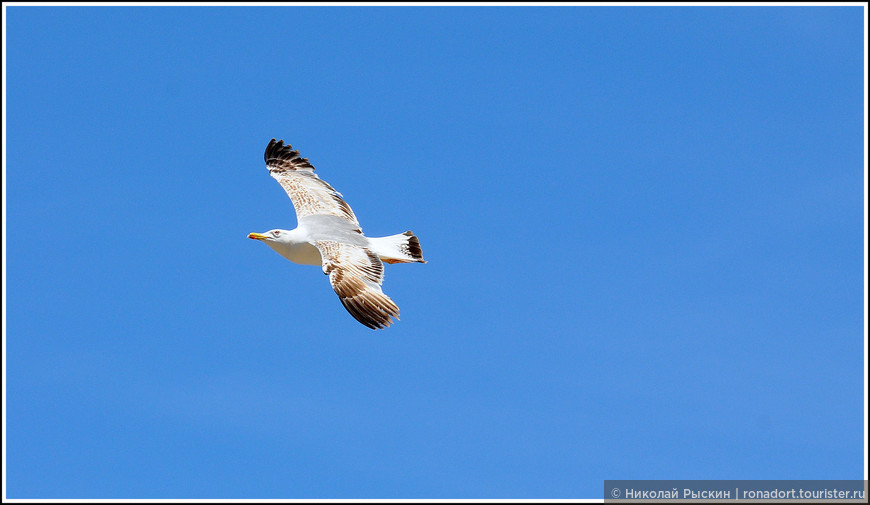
{"type": "Point", "coordinates": [276, 233]}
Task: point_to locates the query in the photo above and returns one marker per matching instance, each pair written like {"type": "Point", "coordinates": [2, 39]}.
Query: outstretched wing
{"type": "Point", "coordinates": [356, 274]}
{"type": "Point", "coordinates": [310, 195]}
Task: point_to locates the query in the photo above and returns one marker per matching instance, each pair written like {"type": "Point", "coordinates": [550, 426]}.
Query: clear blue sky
{"type": "Point", "coordinates": [644, 229]}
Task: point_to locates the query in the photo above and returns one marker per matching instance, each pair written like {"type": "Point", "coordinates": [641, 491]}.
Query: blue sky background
{"type": "Point", "coordinates": [644, 229]}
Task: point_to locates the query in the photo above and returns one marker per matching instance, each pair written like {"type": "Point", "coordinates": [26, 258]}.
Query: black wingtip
{"type": "Point", "coordinates": [374, 317]}
{"type": "Point", "coordinates": [273, 149]}
{"type": "Point", "coordinates": [282, 155]}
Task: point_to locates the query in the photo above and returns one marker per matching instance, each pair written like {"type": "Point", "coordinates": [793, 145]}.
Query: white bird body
{"type": "Point", "coordinates": [295, 248]}
{"type": "Point", "coordinates": [329, 235]}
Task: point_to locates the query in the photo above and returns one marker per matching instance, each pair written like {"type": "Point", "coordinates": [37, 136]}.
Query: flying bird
{"type": "Point", "coordinates": [329, 235]}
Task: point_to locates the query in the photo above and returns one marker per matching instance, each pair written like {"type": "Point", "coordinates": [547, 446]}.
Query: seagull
{"type": "Point", "coordinates": [329, 235]}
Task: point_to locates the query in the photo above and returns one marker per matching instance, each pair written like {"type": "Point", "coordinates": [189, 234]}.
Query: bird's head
{"type": "Point", "coordinates": [292, 244]}
{"type": "Point", "coordinates": [271, 236]}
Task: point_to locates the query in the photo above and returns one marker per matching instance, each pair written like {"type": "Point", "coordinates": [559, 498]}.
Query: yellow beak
{"type": "Point", "coordinates": [257, 236]}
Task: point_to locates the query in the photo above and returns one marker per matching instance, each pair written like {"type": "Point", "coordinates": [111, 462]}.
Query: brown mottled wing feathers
{"type": "Point", "coordinates": [310, 195]}
{"type": "Point", "coordinates": [356, 274]}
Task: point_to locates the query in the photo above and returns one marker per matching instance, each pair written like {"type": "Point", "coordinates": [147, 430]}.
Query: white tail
{"type": "Point", "coordinates": [401, 248]}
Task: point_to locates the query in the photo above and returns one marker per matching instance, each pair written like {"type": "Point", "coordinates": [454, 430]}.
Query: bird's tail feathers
{"type": "Point", "coordinates": [400, 248]}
